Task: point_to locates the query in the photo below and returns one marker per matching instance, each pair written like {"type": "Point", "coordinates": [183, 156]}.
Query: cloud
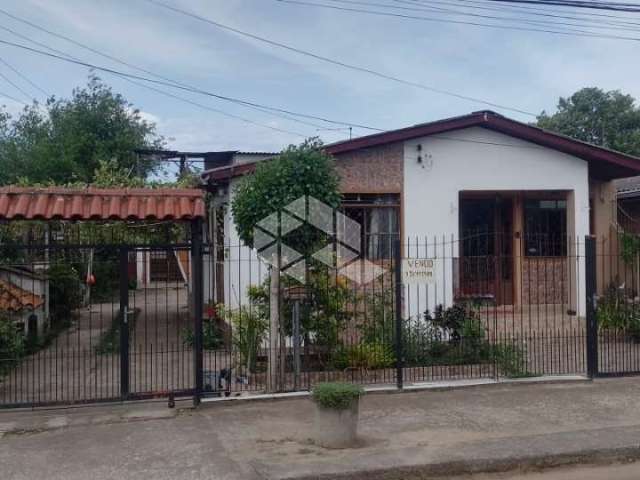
{"type": "Point", "coordinates": [520, 69]}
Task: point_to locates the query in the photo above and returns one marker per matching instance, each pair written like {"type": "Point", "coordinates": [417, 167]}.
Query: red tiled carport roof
{"type": "Point", "coordinates": [57, 203]}
{"type": "Point", "coordinates": [603, 163]}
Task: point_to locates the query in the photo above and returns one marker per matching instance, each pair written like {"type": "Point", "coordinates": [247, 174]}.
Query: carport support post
{"type": "Point", "coordinates": [197, 274]}
{"type": "Point", "coordinates": [591, 299]}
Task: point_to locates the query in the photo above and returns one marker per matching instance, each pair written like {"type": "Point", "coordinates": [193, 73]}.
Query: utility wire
{"type": "Point", "coordinates": [162, 92]}
{"type": "Point", "coordinates": [528, 10]}
{"type": "Point", "coordinates": [10, 97]}
{"type": "Point", "coordinates": [17, 87]}
{"type": "Point", "coordinates": [576, 33]}
{"type": "Point", "coordinates": [131, 65]}
{"type": "Point", "coordinates": [192, 90]}
{"type": "Point", "coordinates": [24, 77]}
{"type": "Point", "coordinates": [618, 7]}
{"type": "Point", "coordinates": [419, 7]}
{"type": "Point", "coordinates": [338, 62]}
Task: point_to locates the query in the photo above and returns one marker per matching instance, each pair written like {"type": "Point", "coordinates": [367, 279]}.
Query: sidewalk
{"type": "Point", "coordinates": [404, 436]}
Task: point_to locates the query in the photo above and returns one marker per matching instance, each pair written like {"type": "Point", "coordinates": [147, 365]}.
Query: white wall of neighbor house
{"type": "Point", "coordinates": [478, 159]}
{"type": "Point", "coordinates": [242, 267]}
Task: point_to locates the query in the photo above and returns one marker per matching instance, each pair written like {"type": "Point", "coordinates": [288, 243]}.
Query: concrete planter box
{"type": "Point", "coordinates": [334, 428]}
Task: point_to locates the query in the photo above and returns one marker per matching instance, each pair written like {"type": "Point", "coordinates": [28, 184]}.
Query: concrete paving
{"type": "Point", "coordinates": [402, 436]}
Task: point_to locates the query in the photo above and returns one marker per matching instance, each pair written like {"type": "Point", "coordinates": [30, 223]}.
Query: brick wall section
{"type": "Point", "coordinates": [372, 170]}
{"type": "Point", "coordinates": [544, 281]}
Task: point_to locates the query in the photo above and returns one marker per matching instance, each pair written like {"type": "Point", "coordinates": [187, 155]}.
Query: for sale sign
{"type": "Point", "coordinates": [418, 271]}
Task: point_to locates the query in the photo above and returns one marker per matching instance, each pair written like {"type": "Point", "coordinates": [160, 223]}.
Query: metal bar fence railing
{"type": "Point", "coordinates": [491, 309]}
{"type": "Point", "coordinates": [62, 322]}
{"type": "Point", "coordinates": [485, 314]}
{"type": "Point", "coordinates": [615, 341]}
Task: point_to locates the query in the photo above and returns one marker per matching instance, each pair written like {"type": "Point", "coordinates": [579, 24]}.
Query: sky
{"type": "Point", "coordinates": [524, 70]}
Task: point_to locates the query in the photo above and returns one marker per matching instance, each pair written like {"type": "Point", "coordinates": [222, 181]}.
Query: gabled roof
{"type": "Point", "coordinates": [58, 203]}
{"type": "Point", "coordinates": [603, 163]}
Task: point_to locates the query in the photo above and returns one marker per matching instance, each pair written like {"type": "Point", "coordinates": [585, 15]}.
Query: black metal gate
{"type": "Point", "coordinates": [613, 306]}
{"type": "Point", "coordinates": [85, 321]}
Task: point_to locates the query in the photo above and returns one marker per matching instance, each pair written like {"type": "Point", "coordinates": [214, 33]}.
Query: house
{"type": "Point", "coordinates": [23, 300]}
{"type": "Point", "coordinates": [480, 186]}
{"type": "Point", "coordinates": [628, 190]}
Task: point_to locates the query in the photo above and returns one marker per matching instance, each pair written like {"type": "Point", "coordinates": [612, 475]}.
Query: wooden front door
{"type": "Point", "coordinates": [486, 249]}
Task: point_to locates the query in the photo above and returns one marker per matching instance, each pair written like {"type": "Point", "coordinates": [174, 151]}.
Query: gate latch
{"type": "Point", "coordinates": [127, 312]}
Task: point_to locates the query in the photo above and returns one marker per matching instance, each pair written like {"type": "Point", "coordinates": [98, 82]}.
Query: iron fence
{"type": "Point", "coordinates": [109, 320]}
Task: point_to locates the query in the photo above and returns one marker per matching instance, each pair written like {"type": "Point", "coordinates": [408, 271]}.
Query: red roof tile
{"type": "Point", "coordinates": [90, 203]}
{"type": "Point", "coordinates": [15, 299]}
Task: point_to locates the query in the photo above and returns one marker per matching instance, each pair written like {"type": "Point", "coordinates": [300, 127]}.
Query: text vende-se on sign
{"type": "Point", "coordinates": [419, 270]}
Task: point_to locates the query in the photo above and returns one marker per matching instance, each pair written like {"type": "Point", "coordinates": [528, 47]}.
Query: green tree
{"type": "Point", "coordinates": [66, 140]}
{"type": "Point", "coordinates": [609, 119]}
{"type": "Point", "coordinates": [297, 171]}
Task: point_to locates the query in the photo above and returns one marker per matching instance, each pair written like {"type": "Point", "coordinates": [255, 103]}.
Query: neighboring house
{"type": "Point", "coordinates": [22, 299]}
{"type": "Point", "coordinates": [629, 204]}
{"type": "Point", "coordinates": [529, 194]}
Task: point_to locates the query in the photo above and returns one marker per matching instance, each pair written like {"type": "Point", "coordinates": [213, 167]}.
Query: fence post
{"type": "Point", "coordinates": [591, 299]}
{"type": "Point", "coordinates": [124, 322]}
{"type": "Point", "coordinates": [398, 314]}
{"type": "Point", "coordinates": [197, 276]}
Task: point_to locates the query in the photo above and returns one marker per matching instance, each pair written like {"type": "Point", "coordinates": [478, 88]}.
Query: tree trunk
{"type": "Point", "coordinates": [274, 329]}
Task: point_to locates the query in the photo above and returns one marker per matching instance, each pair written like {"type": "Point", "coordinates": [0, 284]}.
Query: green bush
{"type": "Point", "coordinates": [12, 345]}
{"type": "Point", "coordinates": [65, 290]}
{"type": "Point", "coordinates": [338, 396]}
{"type": "Point", "coordinates": [510, 360]}
{"type": "Point", "coordinates": [212, 338]}
{"type": "Point", "coordinates": [369, 356]}
{"type": "Point", "coordinates": [615, 313]}
{"type": "Point", "coordinates": [249, 329]}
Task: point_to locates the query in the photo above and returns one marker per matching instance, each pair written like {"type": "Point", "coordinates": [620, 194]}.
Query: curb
{"type": "Point", "coordinates": [526, 464]}
{"type": "Point", "coordinates": [410, 388]}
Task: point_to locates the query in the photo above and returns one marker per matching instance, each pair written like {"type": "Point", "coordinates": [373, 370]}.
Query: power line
{"type": "Point", "coordinates": [528, 10]}
{"type": "Point", "coordinates": [24, 77]}
{"type": "Point", "coordinates": [16, 86]}
{"type": "Point", "coordinates": [575, 33]}
{"type": "Point", "coordinates": [192, 90]}
{"type": "Point", "coordinates": [338, 62]}
{"type": "Point", "coordinates": [162, 92]}
{"type": "Point", "coordinates": [130, 65]}
{"type": "Point", "coordinates": [420, 7]}
{"type": "Point", "coordinates": [10, 97]}
{"type": "Point", "coordinates": [618, 7]}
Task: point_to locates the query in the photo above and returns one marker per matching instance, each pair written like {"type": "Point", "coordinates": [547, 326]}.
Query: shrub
{"type": "Point", "coordinates": [615, 313]}
{"type": "Point", "coordinates": [12, 346]}
{"type": "Point", "coordinates": [249, 331]}
{"type": "Point", "coordinates": [510, 360]}
{"type": "Point", "coordinates": [451, 320]}
{"type": "Point", "coordinates": [212, 338]}
{"type": "Point", "coordinates": [65, 291]}
{"type": "Point", "coordinates": [338, 396]}
{"type": "Point", "coordinates": [365, 355]}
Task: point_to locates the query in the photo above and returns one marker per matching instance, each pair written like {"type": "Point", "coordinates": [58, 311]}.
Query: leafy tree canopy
{"type": "Point", "coordinates": [71, 140]}
{"type": "Point", "coordinates": [299, 170]}
{"type": "Point", "coordinates": [609, 119]}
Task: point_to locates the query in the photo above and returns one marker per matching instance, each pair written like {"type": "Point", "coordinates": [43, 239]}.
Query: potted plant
{"type": "Point", "coordinates": [337, 409]}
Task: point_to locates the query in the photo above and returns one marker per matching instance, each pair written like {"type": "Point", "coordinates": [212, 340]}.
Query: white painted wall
{"type": "Point", "coordinates": [242, 267]}
{"type": "Point", "coordinates": [480, 159]}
